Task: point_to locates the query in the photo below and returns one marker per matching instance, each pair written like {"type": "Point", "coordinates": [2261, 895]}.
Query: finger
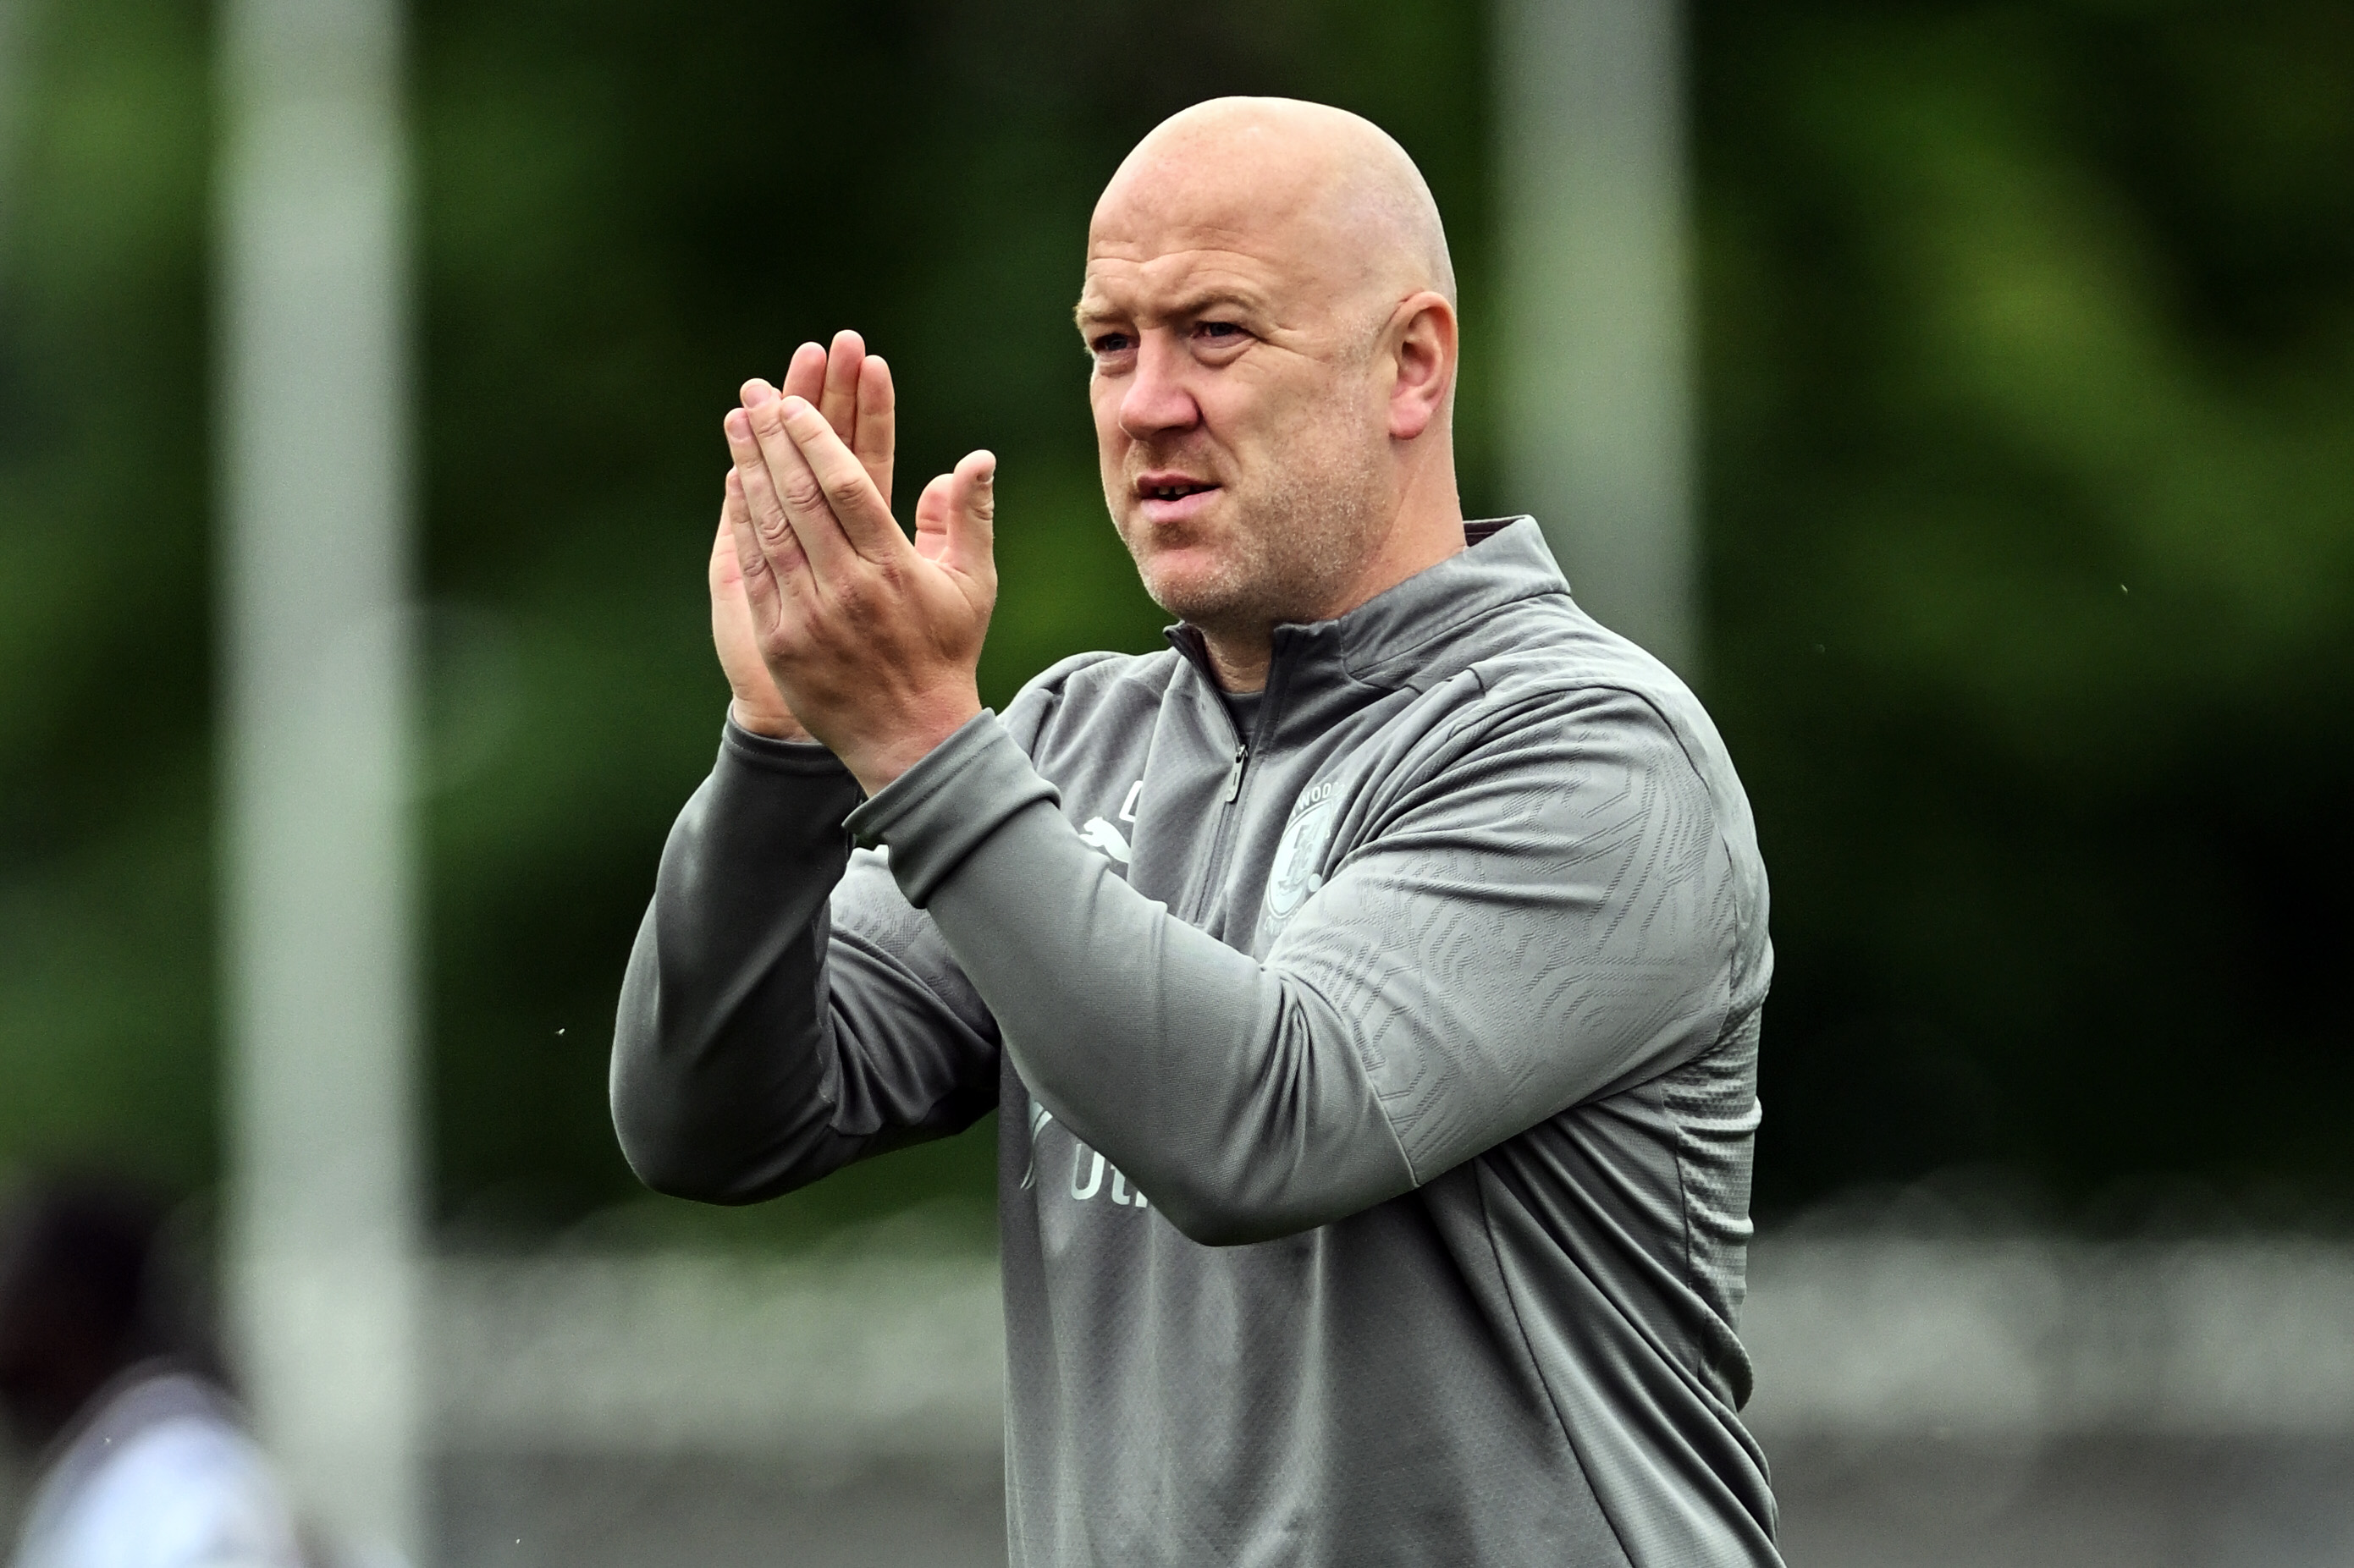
{"type": "Point", "coordinates": [762, 593]}
{"type": "Point", "coordinates": [956, 520]}
{"type": "Point", "coordinates": [727, 567]}
{"type": "Point", "coordinates": [807, 370]}
{"type": "Point", "coordinates": [786, 507]}
{"type": "Point", "coordinates": [805, 376]}
{"type": "Point", "coordinates": [850, 498]}
{"type": "Point", "coordinates": [766, 559]}
{"type": "Point", "coordinates": [877, 429]}
{"type": "Point", "coordinates": [839, 402]}
{"type": "Point", "coordinates": [932, 518]}
{"type": "Point", "coordinates": [726, 571]}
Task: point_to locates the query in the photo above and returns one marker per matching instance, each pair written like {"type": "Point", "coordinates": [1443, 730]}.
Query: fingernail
{"type": "Point", "coordinates": [795, 406]}
{"type": "Point", "coordinates": [739, 425]}
{"type": "Point", "coordinates": [757, 392]}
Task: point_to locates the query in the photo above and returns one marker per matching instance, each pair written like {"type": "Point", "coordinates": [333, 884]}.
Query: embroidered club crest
{"type": "Point", "coordinates": [1294, 877]}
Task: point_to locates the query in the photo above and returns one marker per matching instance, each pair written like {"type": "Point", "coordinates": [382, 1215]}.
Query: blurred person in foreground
{"type": "Point", "coordinates": [144, 1461]}
{"type": "Point", "coordinates": [1369, 984]}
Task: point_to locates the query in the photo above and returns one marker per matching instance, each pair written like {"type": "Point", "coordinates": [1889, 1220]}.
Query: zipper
{"type": "Point", "coordinates": [1213, 873]}
{"type": "Point", "coordinates": [1205, 891]}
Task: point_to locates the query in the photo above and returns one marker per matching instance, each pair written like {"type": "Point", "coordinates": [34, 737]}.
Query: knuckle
{"type": "Point", "coordinates": [784, 638]}
{"type": "Point", "coordinates": [855, 599]}
{"type": "Point", "coordinates": [803, 491]}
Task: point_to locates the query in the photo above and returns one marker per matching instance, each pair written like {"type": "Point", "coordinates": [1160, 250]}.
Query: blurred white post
{"type": "Point", "coordinates": [1596, 400]}
{"type": "Point", "coordinates": [319, 871]}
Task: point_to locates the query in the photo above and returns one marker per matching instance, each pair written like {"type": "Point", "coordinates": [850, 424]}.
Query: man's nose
{"type": "Point", "coordinates": [1157, 399]}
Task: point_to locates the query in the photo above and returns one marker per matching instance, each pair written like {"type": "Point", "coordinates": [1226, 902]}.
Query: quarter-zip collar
{"type": "Point", "coordinates": [1409, 635]}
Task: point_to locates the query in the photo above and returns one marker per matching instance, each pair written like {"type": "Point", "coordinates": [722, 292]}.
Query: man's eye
{"type": "Point", "coordinates": [1220, 332]}
{"type": "Point", "coordinates": [1110, 343]}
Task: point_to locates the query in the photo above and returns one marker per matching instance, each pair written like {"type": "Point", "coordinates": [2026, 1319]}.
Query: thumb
{"type": "Point", "coordinates": [956, 519]}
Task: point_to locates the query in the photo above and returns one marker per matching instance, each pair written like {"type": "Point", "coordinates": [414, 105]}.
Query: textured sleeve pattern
{"type": "Point", "coordinates": [785, 1011]}
{"type": "Point", "coordinates": [1534, 909]}
{"type": "Point", "coordinates": [1542, 913]}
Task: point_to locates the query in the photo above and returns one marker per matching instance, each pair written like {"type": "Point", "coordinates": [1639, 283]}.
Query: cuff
{"type": "Point", "coordinates": [936, 813]}
{"type": "Point", "coordinates": [804, 758]}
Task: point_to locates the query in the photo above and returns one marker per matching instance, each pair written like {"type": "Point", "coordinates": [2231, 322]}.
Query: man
{"type": "Point", "coordinates": [144, 1464]}
{"type": "Point", "coordinates": [1370, 984]}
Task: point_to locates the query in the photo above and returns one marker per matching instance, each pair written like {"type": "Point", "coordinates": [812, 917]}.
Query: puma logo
{"type": "Point", "coordinates": [1083, 1159]}
{"type": "Point", "coordinates": [1102, 836]}
{"type": "Point", "coordinates": [1107, 839]}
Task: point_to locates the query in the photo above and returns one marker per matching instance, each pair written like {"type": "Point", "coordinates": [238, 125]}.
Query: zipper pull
{"type": "Point", "coordinates": [1235, 774]}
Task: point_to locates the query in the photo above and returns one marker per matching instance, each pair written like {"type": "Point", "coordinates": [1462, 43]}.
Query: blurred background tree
{"type": "Point", "coordinates": [2030, 337]}
{"type": "Point", "coordinates": [2028, 381]}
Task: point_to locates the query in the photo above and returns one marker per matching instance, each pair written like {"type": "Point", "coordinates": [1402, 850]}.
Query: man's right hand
{"type": "Point", "coordinates": [852, 389]}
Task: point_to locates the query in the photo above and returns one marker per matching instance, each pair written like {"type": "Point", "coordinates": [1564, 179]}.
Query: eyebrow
{"type": "Point", "coordinates": [1194, 304]}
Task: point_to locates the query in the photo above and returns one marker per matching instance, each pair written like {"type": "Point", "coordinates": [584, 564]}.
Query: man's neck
{"type": "Point", "coordinates": [1239, 655]}
{"type": "Point", "coordinates": [1240, 661]}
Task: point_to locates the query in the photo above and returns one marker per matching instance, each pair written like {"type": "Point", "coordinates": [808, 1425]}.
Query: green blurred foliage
{"type": "Point", "coordinates": [2029, 378]}
{"type": "Point", "coordinates": [106, 990]}
{"type": "Point", "coordinates": [2030, 433]}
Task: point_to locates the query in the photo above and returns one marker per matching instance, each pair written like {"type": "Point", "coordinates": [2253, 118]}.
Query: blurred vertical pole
{"type": "Point", "coordinates": [1595, 401]}
{"type": "Point", "coordinates": [320, 954]}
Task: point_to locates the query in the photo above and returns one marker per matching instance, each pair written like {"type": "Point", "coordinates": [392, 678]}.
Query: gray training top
{"type": "Point", "coordinates": [1378, 1088]}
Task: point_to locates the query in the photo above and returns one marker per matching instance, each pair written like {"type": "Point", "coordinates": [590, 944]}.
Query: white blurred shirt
{"type": "Point", "coordinates": [159, 1477]}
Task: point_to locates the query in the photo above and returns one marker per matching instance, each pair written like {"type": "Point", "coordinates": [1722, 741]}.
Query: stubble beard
{"type": "Point", "coordinates": [1293, 544]}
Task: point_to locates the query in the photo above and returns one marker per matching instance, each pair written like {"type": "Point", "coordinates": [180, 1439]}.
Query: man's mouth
{"type": "Point", "coordinates": [1172, 497]}
{"type": "Point", "coordinates": [1154, 489]}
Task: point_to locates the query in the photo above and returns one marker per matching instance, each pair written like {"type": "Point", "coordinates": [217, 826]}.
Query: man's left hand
{"type": "Point", "coordinates": [874, 640]}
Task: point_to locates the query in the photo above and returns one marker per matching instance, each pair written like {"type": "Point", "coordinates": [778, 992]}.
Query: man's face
{"type": "Point", "coordinates": [1241, 432]}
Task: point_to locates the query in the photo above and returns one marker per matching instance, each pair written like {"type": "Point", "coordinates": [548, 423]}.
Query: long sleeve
{"type": "Point", "coordinates": [785, 1011]}
{"type": "Point", "coordinates": [1538, 911]}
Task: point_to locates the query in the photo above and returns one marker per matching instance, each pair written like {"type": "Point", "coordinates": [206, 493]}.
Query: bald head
{"type": "Point", "coordinates": [1271, 313]}
{"type": "Point", "coordinates": [1319, 182]}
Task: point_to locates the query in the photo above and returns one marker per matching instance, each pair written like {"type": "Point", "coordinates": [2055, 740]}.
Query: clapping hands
{"type": "Point", "coordinates": [829, 622]}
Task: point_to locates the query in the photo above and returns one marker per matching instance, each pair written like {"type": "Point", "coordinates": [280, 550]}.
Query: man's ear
{"type": "Point", "coordinates": [1424, 354]}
